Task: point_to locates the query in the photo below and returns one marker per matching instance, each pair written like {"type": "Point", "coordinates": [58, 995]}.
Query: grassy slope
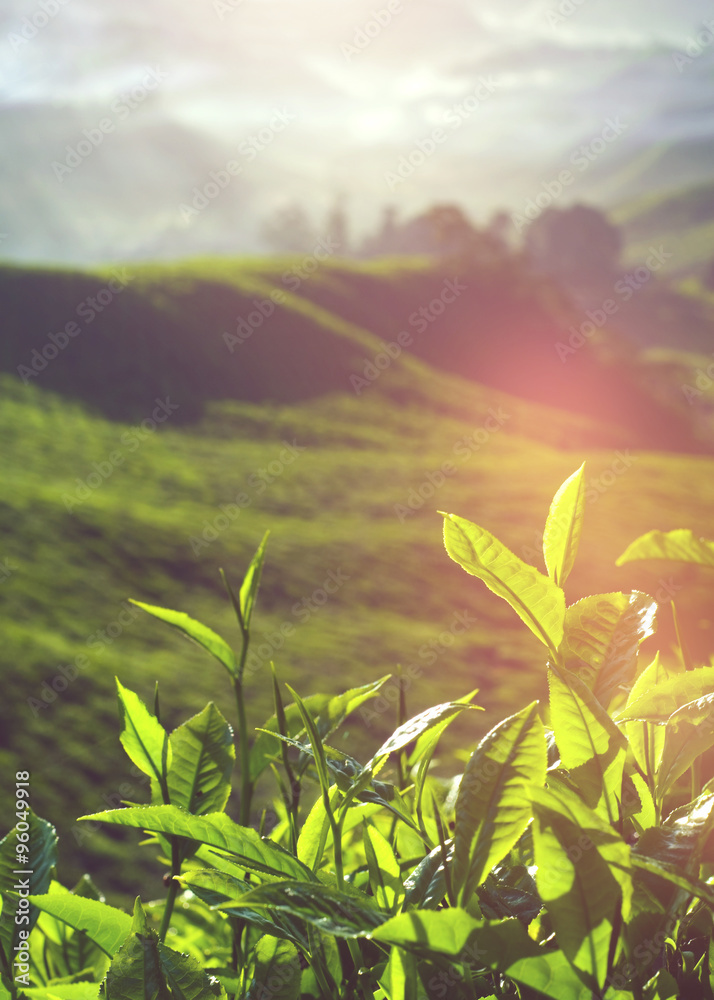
{"type": "Point", "coordinates": [164, 333]}
{"type": "Point", "coordinates": [333, 508]}
{"type": "Point", "coordinates": [682, 221]}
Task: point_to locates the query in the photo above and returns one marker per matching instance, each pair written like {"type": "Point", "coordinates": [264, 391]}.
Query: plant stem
{"type": "Point", "coordinates": [173, 889]}
{"type": "Point", "coordinates": [246, 788]}
{"type": "Point", "coordinates": [337, 839]}
{"type": "Point", "coordinates": [168, 909]}
{"type": "Point", "coordinates": [696, 778]}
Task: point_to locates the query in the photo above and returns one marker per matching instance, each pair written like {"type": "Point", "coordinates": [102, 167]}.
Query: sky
{"type": "Point", "coordinates": [361, 87]}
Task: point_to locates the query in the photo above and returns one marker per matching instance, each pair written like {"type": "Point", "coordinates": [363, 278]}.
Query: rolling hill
{"type": "Point", "coordinates": [146, 454]}
{"type": "Point", "coordinates": [683, 217]}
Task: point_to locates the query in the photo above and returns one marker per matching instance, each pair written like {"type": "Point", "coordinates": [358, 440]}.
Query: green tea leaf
{"type": "Point", "coordinates": [444, 931]}
{"type": "Point", "coordinates": [135, 971]}
{"type": "Point", "coordinates": [318, 750]}
{"type": "Point", "coordinates": [675, 846]}
{"type": "Point", "coordinates": [245, 602]}
{"type": "Point", "coordinates": [277, 971]}
{"type": "Point", "coordinates": [316, 835]}
{"type": "Point", "coordinates": [688, 734]}
{"type": "Point", "coordinates": [343, 768]}
{"type": "Point", "coordinates": [602, 638]}
{"type": "Point", "coordinates": [185, 977]}
{"type": "Point", "coordinates": [681, 545]}
{"type": "Point", "coordinates": [103, 924]}
{"type": "Point", "coordinates": [214, 887]}
{"type": "Point", "coordinates": [333, 911]}
{"type": "Point", "coordinates": [385, 877]}
{"type": "Point", "coordinates": [538, 601]}
{"type": "Point", "coordinates": [399, 980]}
{"type": "Point", "coordinates": [217, 830]}
{"type": "Point", "coordinates": [691, 886]}
{"type": "Point", "coordinates": [221, 889]}
{"type": "Point", "coordinates": [145, 969]}
{"type": "Point", "coordinates": [503, 946]}
{"type": "Point", "coordinates": [416, 727]}
{"type": "Point", "coordinates": [646, 739]}
{"type": "Point", "coordinates": [42, 858]}
{"type": "Point", "coordinates": [510, 891]}
{"type": "Point", "coordinates": [493, 806]}
{"type": "Point", "coordinates": [425, 747]}
{"type": "Point", "coordinates": [646, 815]}
{"type": "Point", "coordinates": [202, 757]}
{"type": "Point", "coordinates": [563, 527]}
{"type": "Point", "coordinates": [584, 894]}
{"type": "Point", "coordinates": [143, 737]}
{"type": "Point", "coordinates": [506, 948]}
{"type": "Point", "coordinates": [63, 991]}
{"type": "Point", "coordinates": [662, 695]}
{"type": "Point", "coordinates": [201, 634]}
{"type": "Point", "coordinates": [591, 746]}
{"type": "Point", "coordinates": [328, 711]}
{"type": "Point", "coordinates": [426, 886]}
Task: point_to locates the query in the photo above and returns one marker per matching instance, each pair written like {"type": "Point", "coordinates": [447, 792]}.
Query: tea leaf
{"type": "Point", "coordinates": [534, 597]}
{"type": "Point", "coordinates": [493, 806]}
{"type": "Point", "coordinates": [199, 633]}
{"type": "Point", "coordinates": [563, 527]}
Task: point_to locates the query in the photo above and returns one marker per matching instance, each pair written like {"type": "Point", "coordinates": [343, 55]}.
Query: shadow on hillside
{"type": "Point", "coordinates": [124, 341]}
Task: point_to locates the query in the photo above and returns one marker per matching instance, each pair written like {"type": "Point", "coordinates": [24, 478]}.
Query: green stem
{"type": "Point", "coordinates": [168, 909]}
{"type": "Point", "coordinates": [173, 889]}
{"type": "Point", "coordinates": [337, 838]}
{"type": "Point", "coordinates": [321, 981]}
{"type": "Point", "coordinates": [357, 959]}
{"type": "Point", "coordinates": [246, 788]}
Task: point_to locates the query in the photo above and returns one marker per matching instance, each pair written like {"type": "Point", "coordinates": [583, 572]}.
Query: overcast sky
{"type": "Point", "coordinates": [560, 68]}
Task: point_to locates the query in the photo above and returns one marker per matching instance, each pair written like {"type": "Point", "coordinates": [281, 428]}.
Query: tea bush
{"type": "Point", "coordinates": [568, 860]}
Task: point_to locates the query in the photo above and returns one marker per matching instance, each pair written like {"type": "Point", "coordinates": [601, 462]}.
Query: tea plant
{"type": "Point", "coordinates": [567, 861]}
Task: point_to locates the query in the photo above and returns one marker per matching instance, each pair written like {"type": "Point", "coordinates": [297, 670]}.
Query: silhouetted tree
{"type": "Point", "coordinates": [289, 230]}
{"type": "Point", "coordinates": [442, 231]}
{"type": "Point", "coordinates": [577, 242]}
{"type": "Point", "coordinates": [337, 230]}
{"type": "Point", "coordinates": [500, 229]}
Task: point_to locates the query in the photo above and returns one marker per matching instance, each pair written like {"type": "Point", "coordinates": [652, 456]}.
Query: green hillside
{"type": "Point", "coordinates": [102, 499]}
{"type": "Point", "coordinates": [683, 220]}
{"type": "Point", "coordinates": [268, 331]}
